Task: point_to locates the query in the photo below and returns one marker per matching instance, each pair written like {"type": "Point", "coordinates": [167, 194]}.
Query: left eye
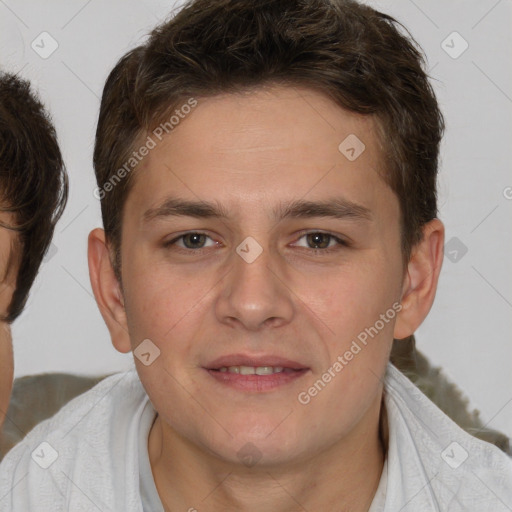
{"type": "Point", "coordinates": [322, 240]}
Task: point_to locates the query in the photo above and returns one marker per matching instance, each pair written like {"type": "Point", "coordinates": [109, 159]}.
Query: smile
{"type": "Point", "coordinates": [256, 378]}
{"type": "Point", "coordinates": [254, 370]}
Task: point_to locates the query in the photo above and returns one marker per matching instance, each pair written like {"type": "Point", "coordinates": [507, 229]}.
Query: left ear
{"type": "Point", "coordinates": [420, 282]}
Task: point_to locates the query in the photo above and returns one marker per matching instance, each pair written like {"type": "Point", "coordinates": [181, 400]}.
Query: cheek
{"type": "Point", "coordinates": [164, 305]}
{"type": "Point", "coordinates": [358, 295]}
{"type": "Point", "coordinates": [361, 312]}
{"type": "Point", "coordinates": [358, 351]}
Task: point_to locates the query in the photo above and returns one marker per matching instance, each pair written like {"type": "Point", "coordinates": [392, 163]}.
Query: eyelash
{"type": "Point", "coordinates": [340, 243]}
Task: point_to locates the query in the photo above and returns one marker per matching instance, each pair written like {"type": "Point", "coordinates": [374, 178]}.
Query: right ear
{"type": "Point", "coordinates": [107, 290]}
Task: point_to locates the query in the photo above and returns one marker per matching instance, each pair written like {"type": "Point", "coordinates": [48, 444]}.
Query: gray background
{"type": "Point", "coordinates": [468, 329]}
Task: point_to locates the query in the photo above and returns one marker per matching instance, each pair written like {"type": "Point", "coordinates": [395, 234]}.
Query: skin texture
{"type": "Point", "coordinates": [250, 152]}
{"type": "Point", "coordinates": [8, 272]}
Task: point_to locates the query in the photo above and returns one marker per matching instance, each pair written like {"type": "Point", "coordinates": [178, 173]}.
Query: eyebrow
{"type": "Point", "coordinates": [337, 208]}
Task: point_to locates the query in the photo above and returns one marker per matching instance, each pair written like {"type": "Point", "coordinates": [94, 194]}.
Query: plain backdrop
{"type": "Point", "coordinates": [468, 330]}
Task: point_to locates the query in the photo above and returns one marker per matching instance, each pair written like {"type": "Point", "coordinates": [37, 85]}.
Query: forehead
{"type": "Point", "coordinates": [259, 147]}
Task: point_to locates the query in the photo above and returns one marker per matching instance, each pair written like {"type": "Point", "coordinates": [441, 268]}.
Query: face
{"type": "Point", "coordinates": [7, 285]}
{"type": "Point", "coordinates": [304, 258]}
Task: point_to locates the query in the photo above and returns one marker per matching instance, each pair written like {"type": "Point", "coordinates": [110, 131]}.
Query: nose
{"type": "Point", "coordinates": [255, 293]}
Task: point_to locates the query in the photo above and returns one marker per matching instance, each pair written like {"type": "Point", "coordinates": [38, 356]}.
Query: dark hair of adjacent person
{"type": "Point", "coordinates": [361, 59]}
{"type": "Point", "coordinates": [33, 181]}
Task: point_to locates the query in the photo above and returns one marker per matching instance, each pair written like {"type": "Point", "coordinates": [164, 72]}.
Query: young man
{"type": "Point", "coordinates": [267, 176]}
{"type": "Point", "coordinates": [33, 194]}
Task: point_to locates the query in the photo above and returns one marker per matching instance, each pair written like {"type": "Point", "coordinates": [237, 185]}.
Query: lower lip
{"type": "Point", "coordinates": [257, 383]}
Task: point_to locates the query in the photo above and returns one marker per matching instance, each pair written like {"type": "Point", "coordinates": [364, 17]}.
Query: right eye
{"type": "Point", "coordinates": [191, 241]}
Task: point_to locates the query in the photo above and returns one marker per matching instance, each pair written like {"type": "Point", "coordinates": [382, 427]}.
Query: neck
{"type": "Point", "coordinates": [344, 477]}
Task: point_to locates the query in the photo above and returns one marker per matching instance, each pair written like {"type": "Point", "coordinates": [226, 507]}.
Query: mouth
{"type": "Point", "coordinates": [256, 374]}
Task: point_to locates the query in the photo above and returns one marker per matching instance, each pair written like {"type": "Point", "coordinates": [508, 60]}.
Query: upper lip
{"type": "Point", "coordinates": [253, 360]}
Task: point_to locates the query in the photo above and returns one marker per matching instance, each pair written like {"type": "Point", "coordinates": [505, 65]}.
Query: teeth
{"type": "Point", "coordinates": [264, 370]}
{"type": "Point", "coordinates": [252, 370]}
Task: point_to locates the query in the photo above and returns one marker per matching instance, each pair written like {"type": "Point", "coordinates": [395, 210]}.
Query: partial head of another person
{"type": "Point", "coordinates": [33, 194]}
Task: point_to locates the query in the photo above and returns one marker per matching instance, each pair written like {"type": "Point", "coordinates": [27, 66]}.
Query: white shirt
{"type": "Point", "coordinates": [89, 456]}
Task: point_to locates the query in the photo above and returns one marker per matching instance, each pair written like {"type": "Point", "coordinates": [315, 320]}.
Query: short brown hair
{"type": "Point", "coordinates": [358, 57]}
{"type": "Point", "coordinates": [33, 181]}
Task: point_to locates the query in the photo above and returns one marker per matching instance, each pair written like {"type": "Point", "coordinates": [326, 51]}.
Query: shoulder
{"type": "Point", "coordinates": [446, 462]}
{"type": "Point", "coordinates": [79, 442]}
{"type": "Point", "coordinates": [35, 398]}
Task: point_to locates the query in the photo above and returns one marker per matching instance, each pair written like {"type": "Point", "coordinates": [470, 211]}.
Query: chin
{"type": "Point", "coordinates": [261, 449]}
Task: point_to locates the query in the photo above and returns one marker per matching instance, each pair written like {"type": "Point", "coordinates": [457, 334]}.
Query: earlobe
{"type": "Point", "coordinates": [420, 281]}
{"type": "Point", "coordinates": [107, 290]}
